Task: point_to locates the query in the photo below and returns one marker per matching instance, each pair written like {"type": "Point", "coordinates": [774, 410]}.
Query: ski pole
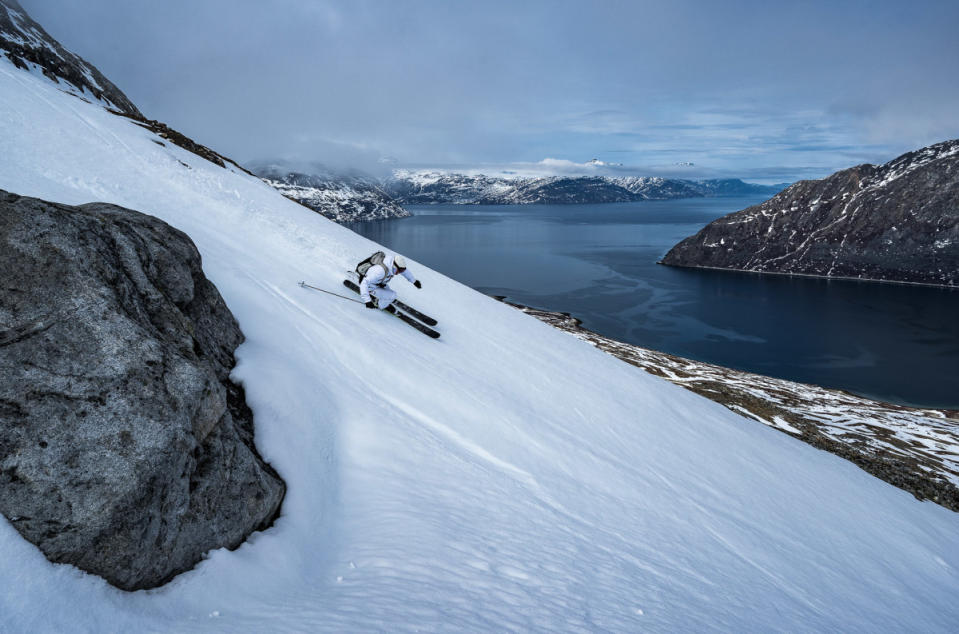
{"type": "Point", "coordinates": [349, 299]}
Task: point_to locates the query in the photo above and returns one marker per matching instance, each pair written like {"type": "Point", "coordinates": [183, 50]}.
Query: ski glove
{"type": "Point", "coordinates": [370, 304]}
{"type": "Point", "coordinates": [417, 284]}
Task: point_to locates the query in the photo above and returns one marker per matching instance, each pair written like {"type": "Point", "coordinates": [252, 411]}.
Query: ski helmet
{"type": "Point", "coordinates": [400, 262]}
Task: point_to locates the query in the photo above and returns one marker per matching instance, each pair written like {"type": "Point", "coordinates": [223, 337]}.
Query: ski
{"type": "Point", "coordinates": [426, 319]}
{"type": "Point", "coordinates": [392, 309]}
{"type": "Point", "coordinates": [423, 328]}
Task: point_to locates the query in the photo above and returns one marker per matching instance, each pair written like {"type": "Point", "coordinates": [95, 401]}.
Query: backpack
{"type": "Point", "coordinates": [364, 266]}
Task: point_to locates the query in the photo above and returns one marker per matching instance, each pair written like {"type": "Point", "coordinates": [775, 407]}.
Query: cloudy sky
{"type": "Point", "coordinates": [768, 91]}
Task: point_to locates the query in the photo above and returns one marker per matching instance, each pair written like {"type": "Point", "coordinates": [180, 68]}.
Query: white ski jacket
{"type": "Point", "coordinates": [378, 277]}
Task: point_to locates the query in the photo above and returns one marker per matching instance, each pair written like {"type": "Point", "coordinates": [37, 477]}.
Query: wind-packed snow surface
{"type": "Point", "coordinates": [506, 477]}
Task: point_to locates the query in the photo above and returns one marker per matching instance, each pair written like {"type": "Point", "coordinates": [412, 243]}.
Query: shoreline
{"type": "Point", "coordinates": [914, 449]}
{"type": "Point", "coordinates": [870, 280]}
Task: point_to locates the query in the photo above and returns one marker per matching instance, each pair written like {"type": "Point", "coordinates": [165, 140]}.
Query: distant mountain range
{"type": "Point", "coordinates": [349, 197]}
{"type": "Point", "coordinates": [353, 196]}
{"type": "Point", "coordinates": [427, 188]}
{"type": "Point", "coordinates": [893, 222]}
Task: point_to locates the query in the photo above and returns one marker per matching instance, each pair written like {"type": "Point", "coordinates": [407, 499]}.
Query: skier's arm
{"type": "Point", "coordinates": [409, 276]}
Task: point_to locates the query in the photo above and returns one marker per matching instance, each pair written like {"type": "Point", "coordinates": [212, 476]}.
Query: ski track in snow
{"type": "Point", "coordinates": [504, 478]}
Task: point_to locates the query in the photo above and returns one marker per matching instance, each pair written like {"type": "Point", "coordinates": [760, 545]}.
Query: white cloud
{"type": "Point", "coordinates": [726, 87]}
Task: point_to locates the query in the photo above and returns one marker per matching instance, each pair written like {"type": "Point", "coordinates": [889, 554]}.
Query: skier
{"type": "Point", "coordinates": [374, 284]}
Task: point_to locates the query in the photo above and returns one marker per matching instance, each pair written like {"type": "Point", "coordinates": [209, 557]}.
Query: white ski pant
{"type": "Point", "coordinates": [384, 295]}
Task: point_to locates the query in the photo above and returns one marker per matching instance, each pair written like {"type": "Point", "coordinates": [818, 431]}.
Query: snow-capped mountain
{"type": "Point", "coordinates": [433, 187]}
{"type": "Point", "coordinates": [656, 188]}
{"type": "Point", "coordinates": [346, 197]}
{"type": "Point", "coordinates": [894, 222]}
{"type": "Point", "coordinates": [429, 187]}
{"type": "Point", "coordinates": [337, 196]}
{"type": "Point", "coordinates": [720, 187]}
{"type": "Point", "coordinates": [507, 477]}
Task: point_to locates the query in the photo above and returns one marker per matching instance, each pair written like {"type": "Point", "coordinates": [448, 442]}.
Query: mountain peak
{"type": "Point", "coordinates": [25, 43]}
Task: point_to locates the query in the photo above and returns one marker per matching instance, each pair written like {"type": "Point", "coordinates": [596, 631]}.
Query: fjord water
{"type": "Point", "coordinates": [892, 342]}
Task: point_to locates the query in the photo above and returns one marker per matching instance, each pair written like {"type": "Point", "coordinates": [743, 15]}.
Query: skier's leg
{"type": "Point", "coordinates": [384, 296]}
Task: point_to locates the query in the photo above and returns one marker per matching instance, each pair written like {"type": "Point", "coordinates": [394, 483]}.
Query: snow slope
{"type": "Point", "coordinates": [506, 477]}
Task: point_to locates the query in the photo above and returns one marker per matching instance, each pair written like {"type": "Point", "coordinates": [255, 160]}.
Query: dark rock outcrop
{"type": "Point", "coordinates": [894, 222]}
{"type": "Point", "coordinates": [125, 449]}
{"type": "Point", "coordinates": [25, 42]}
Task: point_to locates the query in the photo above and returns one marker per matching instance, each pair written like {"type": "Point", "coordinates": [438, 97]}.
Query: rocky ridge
{"type": "Point", "coordinates": [24, 42]}
{"type": "Point", "coordinates": [125, 449]}
{"type": "Point", "coordinates": [893, 222]}
{"type": "Point", "coordinates": [29, 47]}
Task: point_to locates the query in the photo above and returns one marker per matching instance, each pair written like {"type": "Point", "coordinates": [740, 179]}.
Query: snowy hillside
{"type": "Point", "coordinates": [911, 448]}
{"type": "Point", "coordinates": [506, 477]}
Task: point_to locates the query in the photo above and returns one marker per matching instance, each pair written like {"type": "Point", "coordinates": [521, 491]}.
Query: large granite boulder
{"type": "Point", "coordinates": [893, 222]}
{"type": "Point", "coordinates": [125, 449]}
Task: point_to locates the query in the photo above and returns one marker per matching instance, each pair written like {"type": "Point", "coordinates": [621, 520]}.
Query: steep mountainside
{"type": "Point", "coordinates": [507, 477]}
{"type": "Point", "coordinates": [426, 188]}
{"type": "Point", "coordinates": [339, 197]}
{"type": "Point", "coordinates": [913, 449]}
{"type": "Point", "coordinates": [30, 48]}
{"type": "Point", "coordinates": [895, 222]}
{"type": "Point", "coordinates": [24, 41]}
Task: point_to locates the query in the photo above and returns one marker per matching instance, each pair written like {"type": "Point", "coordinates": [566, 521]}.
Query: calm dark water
{"type": "Point", "coordinates": [892, 342]}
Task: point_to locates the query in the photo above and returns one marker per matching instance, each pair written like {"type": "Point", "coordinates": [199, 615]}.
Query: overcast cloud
{"type": "Point", "coordinates": [765, 90]}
